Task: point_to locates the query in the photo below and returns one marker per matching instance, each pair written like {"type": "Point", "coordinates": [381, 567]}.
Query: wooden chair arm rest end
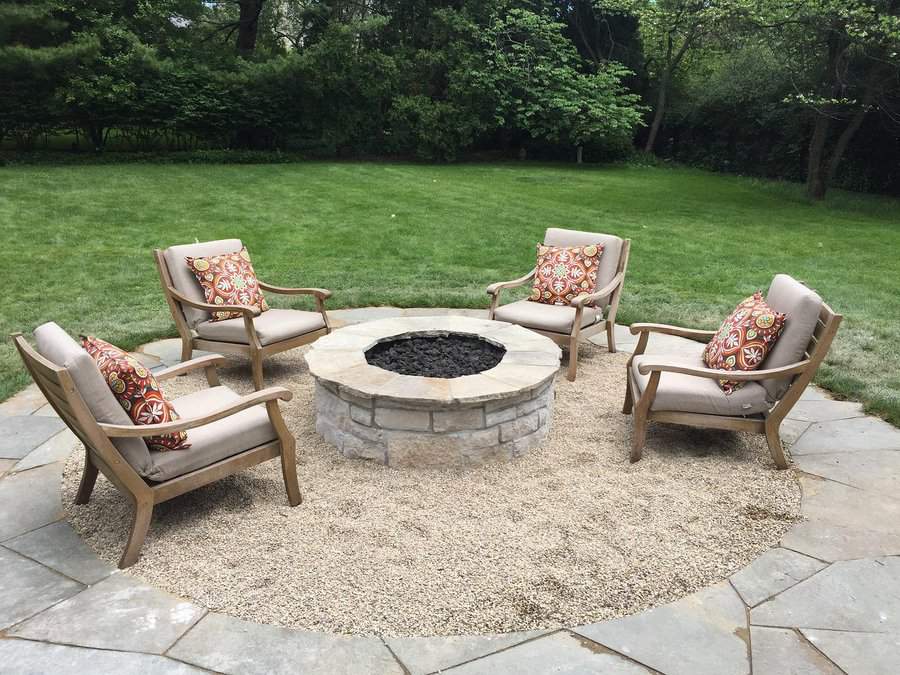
{"type": "Point", "coordinates": [208, 361]}
{"type": "Point", "coordinates": [321, 293]}
{"type": "Point", "coordinates": [498, 286]}
{"type": "Point", "coordinates": [665, 329]}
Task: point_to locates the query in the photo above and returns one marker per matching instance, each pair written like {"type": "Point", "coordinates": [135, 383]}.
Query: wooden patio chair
{"type": "Point", "coordinates": [255, 335]}
{"type": "Point", "coordinates": [227, 432]}
{"type": "Point", "coordinates": [682, 390]}
{"type": "Point", "coordinates": [585, 317]}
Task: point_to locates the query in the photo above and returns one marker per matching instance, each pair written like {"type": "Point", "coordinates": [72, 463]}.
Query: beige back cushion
{"type": "Point", "coordinates": [609, 260]}
{"type": "Point", "coordinates": [802, 307]}
{"type": "Point", "coordinates": [54, 344]}
{"type": "Point", "coordinates": [183, 278]}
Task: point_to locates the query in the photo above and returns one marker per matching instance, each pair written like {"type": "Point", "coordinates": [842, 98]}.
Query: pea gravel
{"type": "Point", "coordinates": [570, 534]}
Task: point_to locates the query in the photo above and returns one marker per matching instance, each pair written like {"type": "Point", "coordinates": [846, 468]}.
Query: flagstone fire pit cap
{"type": "Point", "coordinates": [530, 361]}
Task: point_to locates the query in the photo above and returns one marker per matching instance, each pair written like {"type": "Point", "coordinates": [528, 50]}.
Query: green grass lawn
{"type": "Point", "coordinates": [76, 244]}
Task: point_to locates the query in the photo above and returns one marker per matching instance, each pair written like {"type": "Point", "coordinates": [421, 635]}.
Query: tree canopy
{"type": "Point", "coordinates": [791, 88]}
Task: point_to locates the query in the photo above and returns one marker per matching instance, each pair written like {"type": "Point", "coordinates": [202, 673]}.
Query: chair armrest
{"type": "Point", "coordinates": [734, 375]}
{"type": "Point", "coordinates": [208, 361]}
{"type": "Point", "coordinates": [144, 430]}
{"type": "Point", "coordinates": [246, 310]}
{"type": "Point", "coordinates": [321, 293]}
{"type": "Point", "coordinates": [496, 287]}
{"type": "Point", "coordinates": [690, 333]}
{"type": "Point", "coordinates": [582, 300]}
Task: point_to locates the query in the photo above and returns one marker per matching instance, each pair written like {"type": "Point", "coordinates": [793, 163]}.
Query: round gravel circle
{"type": "Point", "coordinates": [569, 534]}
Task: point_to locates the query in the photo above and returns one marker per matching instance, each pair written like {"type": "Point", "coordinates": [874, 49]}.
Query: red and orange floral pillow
{"type": "Point", "coordinates": [137, 391]}
{"type": "Point", "coordinates": [744, 339]}
{"type": "Point", "coordinates": [228, 279]}
{"type": "Point", "coordinates": [565, 272]}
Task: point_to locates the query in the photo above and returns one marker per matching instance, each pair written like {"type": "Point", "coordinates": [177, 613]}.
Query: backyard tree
{"type": "Point", "coordinates": [669, 30]}
{"type": "Point", "coordinates": [535, 72]}
{"type": "Point", "coordinates": [844, 56]}
{"type": "Point", "coordinates": [36, 51]}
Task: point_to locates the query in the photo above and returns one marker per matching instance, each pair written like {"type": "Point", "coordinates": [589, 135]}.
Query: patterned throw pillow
{"type": "Point", "coordinates": [228, 279]}
{"type": "Point", "coordinates": [565, 272]}
{"type": "Point", "coordinates": [744, 339]}
{"type": "Point", "coordinates": [137, 391]}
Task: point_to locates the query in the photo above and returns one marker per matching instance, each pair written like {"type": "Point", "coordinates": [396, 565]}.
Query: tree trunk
{"type": "Point", "coordinates": [815, 170]}
{"type": "Point", "coordinates": [850, 131]}
{"type": "Point", "coordinates": [579, 152]}
{"type": "Point", "coordinates": [96, 135]}
{"type": "Point", "coordinates": [658, 114]}
{"type": "Point", "coordinates": [248, 25]}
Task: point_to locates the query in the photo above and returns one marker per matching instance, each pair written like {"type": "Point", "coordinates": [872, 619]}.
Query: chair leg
{"type": "Point", "coordinates": [639, 436]}
{"type": "Point", "coordinates": [289, 471]}
{"type": "Point", "coordinates": [611, 337]}
{"type": "Point", "coordinates": [88, 479]}
{"type": "Point", "coordinates": [187, 349]}
{"type": "Point", "coordinates": [628, 406]}
{"type": "Point", "coordinates": [573, 359]}
{"type": "Point", "coordinates": [642, 417]}
{"type": "Point", "coordinates": [775, 447]}
{"type": "Point", "coordinates": [256, 365]}
{"type": "Point", "coordinates": [143, 513]}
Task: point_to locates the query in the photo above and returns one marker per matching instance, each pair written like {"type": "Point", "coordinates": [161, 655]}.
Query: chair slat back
{"type": "Point", "coordinates": [58, 387]}
{"type": "Point", "coordinates": [823, 335]}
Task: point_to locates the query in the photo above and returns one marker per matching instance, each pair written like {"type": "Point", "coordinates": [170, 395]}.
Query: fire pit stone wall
{"type": "Point", "coordinates": [405, 420]}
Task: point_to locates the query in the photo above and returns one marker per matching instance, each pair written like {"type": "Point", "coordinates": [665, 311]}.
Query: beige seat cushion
{"type": "Point", "coordinates": [802, 307]}
{"type": "Point", "coordinates": [609, 260]}
{"type": "Point", "coordinates": [183, 278]}
{"type": "Point", "coordinates": [538, 316]}
{"type": "Point", "coordinates": [272, 326]}
{"type": "Point", "coordinates": [212, 442]}
{"type": "Point", "coordinates": [54, 344]}
{"type": "Point", "coordinates": [686, 393]}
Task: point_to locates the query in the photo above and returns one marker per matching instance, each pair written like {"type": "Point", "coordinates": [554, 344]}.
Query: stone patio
{"type": "Point", "coordinates": [827, 600]}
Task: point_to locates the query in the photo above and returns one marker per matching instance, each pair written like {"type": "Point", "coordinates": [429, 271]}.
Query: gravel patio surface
{"type": "Point", "coordinates": [570, 534]}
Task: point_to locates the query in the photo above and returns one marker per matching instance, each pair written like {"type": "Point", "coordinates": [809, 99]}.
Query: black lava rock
{"type": "Point", "coordinates": [442, 356]}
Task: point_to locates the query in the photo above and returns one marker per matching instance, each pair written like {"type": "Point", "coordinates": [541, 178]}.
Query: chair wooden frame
{"type": "Point", "coordinates": [766, 423]}
{"type": "Point", "coordinates": [253, 349]}
{"type": "Point", "coordinates": [101, 455]}
{"type": "Point", "coordinates": [570, 340]}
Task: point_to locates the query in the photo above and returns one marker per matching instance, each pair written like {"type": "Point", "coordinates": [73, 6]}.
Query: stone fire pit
{"type": "Point", "coordinates": [409, 420]}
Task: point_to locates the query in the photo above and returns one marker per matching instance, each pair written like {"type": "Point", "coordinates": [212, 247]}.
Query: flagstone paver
{"type": "Point", "coordinates": [6, 465]}
{"type": "Point", "coordinates": [851, 435]}
{"type": "Point", "coordinates": [561, 652]}
{"type": "Point", "coordinates": [423, 655]}
{"type": "Point", "coordinates": [855, 595]}
{"type": "Point", "coordinates": [703, 633]}
{"type": "Point", "coordinates": [807, 616]}
{"type": "Point", "coordinates": [780, 650]}
{"type": "Point", "coordinates": [825, 410]}
{"type": "Point", "coordinates": [256, 649]}
{"type": "Point", "coordinates": [26, 656]}
{"type": "Point", "coordinates": [19, 435]}
{"type": "Point", "coordinates": [772, 572]}
{"type": "Point", "coordinates": [45, 411]}
{"type": "Point", "coordinates": [29, 499]}
{"type": "Point", "coordinates": [859, 653]}
{"type": "Point", "coordinates": [26, 588]}
{"type": "Point", "coordinates": [60, 548]}
{"type": "Point", "coordinates": [117, 613]}
{"type": "Point", "coordinates": [873, 470]}
{"type": "Point", "coordinates": [56, 449]}
{"type": "Point", "coordinates": [791, 430]}
{"type": "Point", "coordinates": [24, 403]}
{"type": "Point", "coordinates": [844, 522]}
